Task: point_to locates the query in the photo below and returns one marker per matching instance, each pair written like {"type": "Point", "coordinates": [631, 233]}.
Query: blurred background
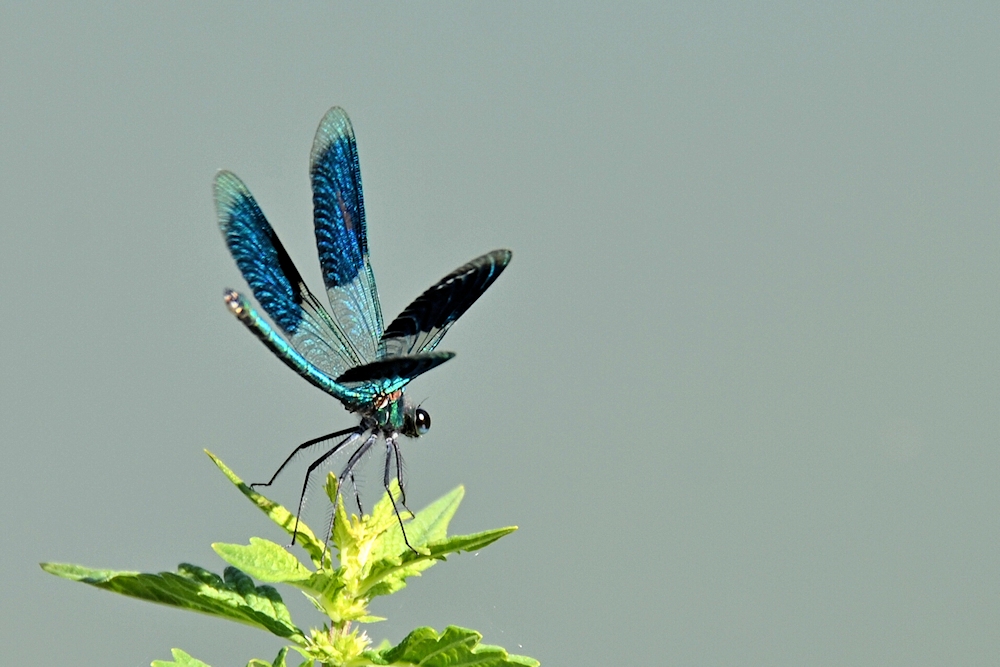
{"type": "Point", "coordinates": [738, 386]}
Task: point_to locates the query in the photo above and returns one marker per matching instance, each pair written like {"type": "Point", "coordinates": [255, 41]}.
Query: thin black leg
{"type": "Point", "coordinates": [357, 496]}
{"type": "Point", "coordinates": [390, 447]}
{"type": "Point", "coordinates": [351, 462]}
{"type": "Point", "coordinates": [399, 475]}
{"type": "Point", "coordinates": [312, 466]}
{"type": "Point", "coordinates": [305, 445]}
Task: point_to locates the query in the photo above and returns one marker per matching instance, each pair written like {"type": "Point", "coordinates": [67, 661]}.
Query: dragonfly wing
{"type": "Point", "coordinates": [420, 327]}
{"type": "Point", "coordinates": [341, 237]}
{"type": "Point", "coordinates": [289, 355]}
{"type": "Point", "coordinates": [388, 375]}
{"type": "Point", "coordinates": [276, 283]}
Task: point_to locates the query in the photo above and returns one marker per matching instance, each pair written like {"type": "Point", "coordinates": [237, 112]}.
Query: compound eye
{"type": "Point", "coordinates": [423, 421]}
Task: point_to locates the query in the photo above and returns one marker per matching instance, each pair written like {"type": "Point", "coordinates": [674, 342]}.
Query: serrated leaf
{"type": "Point", "coordinates": [452, 648]}
{"type": "Point", "coordinates": [263, 560]}
{"type": "Point", "coordinates": [431, 523]}
{"type": "Point", "coordinates": [365, 536]}
{"type": "Point", "coordinates": [428, 525]}
{"type": "Point", "coordinates": [278, 514]}
{"type": "Point", "coordinates": [470, 542]}
{"type": "Point", "coordinates": [389, 575]}
{"type": "Point", "coordinates": [181, 659]}
{"type": "Point", "coordinates": [233, 597]}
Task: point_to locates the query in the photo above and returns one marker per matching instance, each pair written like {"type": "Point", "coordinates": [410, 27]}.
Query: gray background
{"type": "Point", "coordinates": [738, 387]}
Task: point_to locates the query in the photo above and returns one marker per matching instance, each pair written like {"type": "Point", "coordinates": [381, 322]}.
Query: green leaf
{"type": "Point", "coordinates": [452, 648]}
{"type": "Point", "coordinates": [428, 525]}
{"type": "Point", "coordinates": [278, 514]}
{"type": "Point", "coordinates": [234, 597]}
{"type": "Point", "coordinates": [431, 523]}
{"type": "Point", "coordinates": [389, 575]}
{"type": "Point", "coordinates": [278, 661]}
{"type": "Point", "coordinates": [181, 659]}
{"type": "Point", "coordinates": [471, 542]}
{"type": "Point", "coordinates": [374, 559]}
{"type": "Point", "coordinates": [263, 560]}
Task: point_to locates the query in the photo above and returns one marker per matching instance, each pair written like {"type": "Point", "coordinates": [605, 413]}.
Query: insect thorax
{"type": "Point", "coordinates": [389, 411]}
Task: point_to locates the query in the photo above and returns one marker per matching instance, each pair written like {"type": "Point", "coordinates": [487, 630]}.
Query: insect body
{"type": "Point", "coordinates": [346, 352]}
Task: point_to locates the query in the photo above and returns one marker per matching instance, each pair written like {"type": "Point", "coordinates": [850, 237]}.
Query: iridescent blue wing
{"type": "Point", "coordinates": [276, 283]}
{"type": "Point", "coordinates": [341, 238]}
{"type": "Point", "coordinates": [420, 327]}
{"type": "Point", "coordinates": [387, 375]}
{"type": "Point", "coordinates": [291, 357]}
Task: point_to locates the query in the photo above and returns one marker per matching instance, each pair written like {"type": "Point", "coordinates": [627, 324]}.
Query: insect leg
{"type": "Point", "coordinates": [351, 462]}
{"type": "Point", "coordinates": [357, 496]}
{"type": "Point", "coordinates": [399, 475]}
{"type": "Point", "coordinates": [305, 445]}
{"type": "Point", "coordinates": [312, 466]}
{"type": "Point", "coordinates": [390, 447]}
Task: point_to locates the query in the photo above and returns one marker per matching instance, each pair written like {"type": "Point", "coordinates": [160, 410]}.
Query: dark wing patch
{"type": "Point", "coordinates": [394, 373]}
{"type": "Point", "coordinates": [420, 327]}
{"type": "Point", "coordinates": [274, 280]}
{"type": "Point", "coordinates": [394, 369]}
{"type": "Point", "coordinates": [261, 258]}
{"type": "Point", "coordinates": [341, 235]}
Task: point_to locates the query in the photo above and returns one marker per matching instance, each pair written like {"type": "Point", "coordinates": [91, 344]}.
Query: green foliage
{"type": "Point", "coordinates": [373, 559]}
{"type": "Point", "coordinates": [231, 596]}
{"type": "Point", "coordinates": [182, 659]}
